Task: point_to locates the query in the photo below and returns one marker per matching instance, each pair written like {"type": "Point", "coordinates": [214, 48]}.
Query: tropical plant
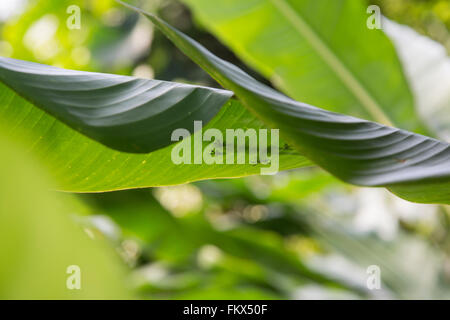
{"type": "Point", "coordinates": [346, 109]}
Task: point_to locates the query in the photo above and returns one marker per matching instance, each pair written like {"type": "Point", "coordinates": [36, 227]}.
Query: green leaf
{"type": "Point", "coordinates": [40, 239]}
{"type": "Point", "coordinates": [124, 113]}
{"type": "Point", "coordinates": [325, 55]}
{"type": "Point", "coordinates": [81, 164]}
{"type": "Point", "coordinates": [355, 150]}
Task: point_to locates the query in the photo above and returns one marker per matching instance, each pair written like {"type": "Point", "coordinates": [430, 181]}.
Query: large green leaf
{"type": "Point", "coordinates": [83, 165]}
{"type": "Point", "coordinates": [124, 113]}
{"type": "Point", "coordinates": [319, 52]}
{"type": "Point", "coordinates": [357, 151]}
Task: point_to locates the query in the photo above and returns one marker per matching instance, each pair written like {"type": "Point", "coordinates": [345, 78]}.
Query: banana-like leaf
{"type": "Point", "coordinates": [325, 55]}
{"type": "Point", "coordinates": [81, 164]}
{"type": "Point", "coordinates": [124, 113]}
{"type": "Point", "coordinates": [357, 151]}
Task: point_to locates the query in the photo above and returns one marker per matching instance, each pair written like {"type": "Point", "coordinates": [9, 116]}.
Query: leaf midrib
{"type": "Point", "coordinates": [305, 30]}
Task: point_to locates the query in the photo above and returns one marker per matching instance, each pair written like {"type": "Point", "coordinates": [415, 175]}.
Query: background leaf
{"type": "Point", "coordinates": [318, 52]}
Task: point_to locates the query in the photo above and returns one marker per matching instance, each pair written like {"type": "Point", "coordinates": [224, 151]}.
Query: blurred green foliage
{"type": "Point", "coordinates": [294, 235]}
{"type": "Point", "coordinates": [429, 17]}
{"type": "Point", "coordinates": [40, 239]}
